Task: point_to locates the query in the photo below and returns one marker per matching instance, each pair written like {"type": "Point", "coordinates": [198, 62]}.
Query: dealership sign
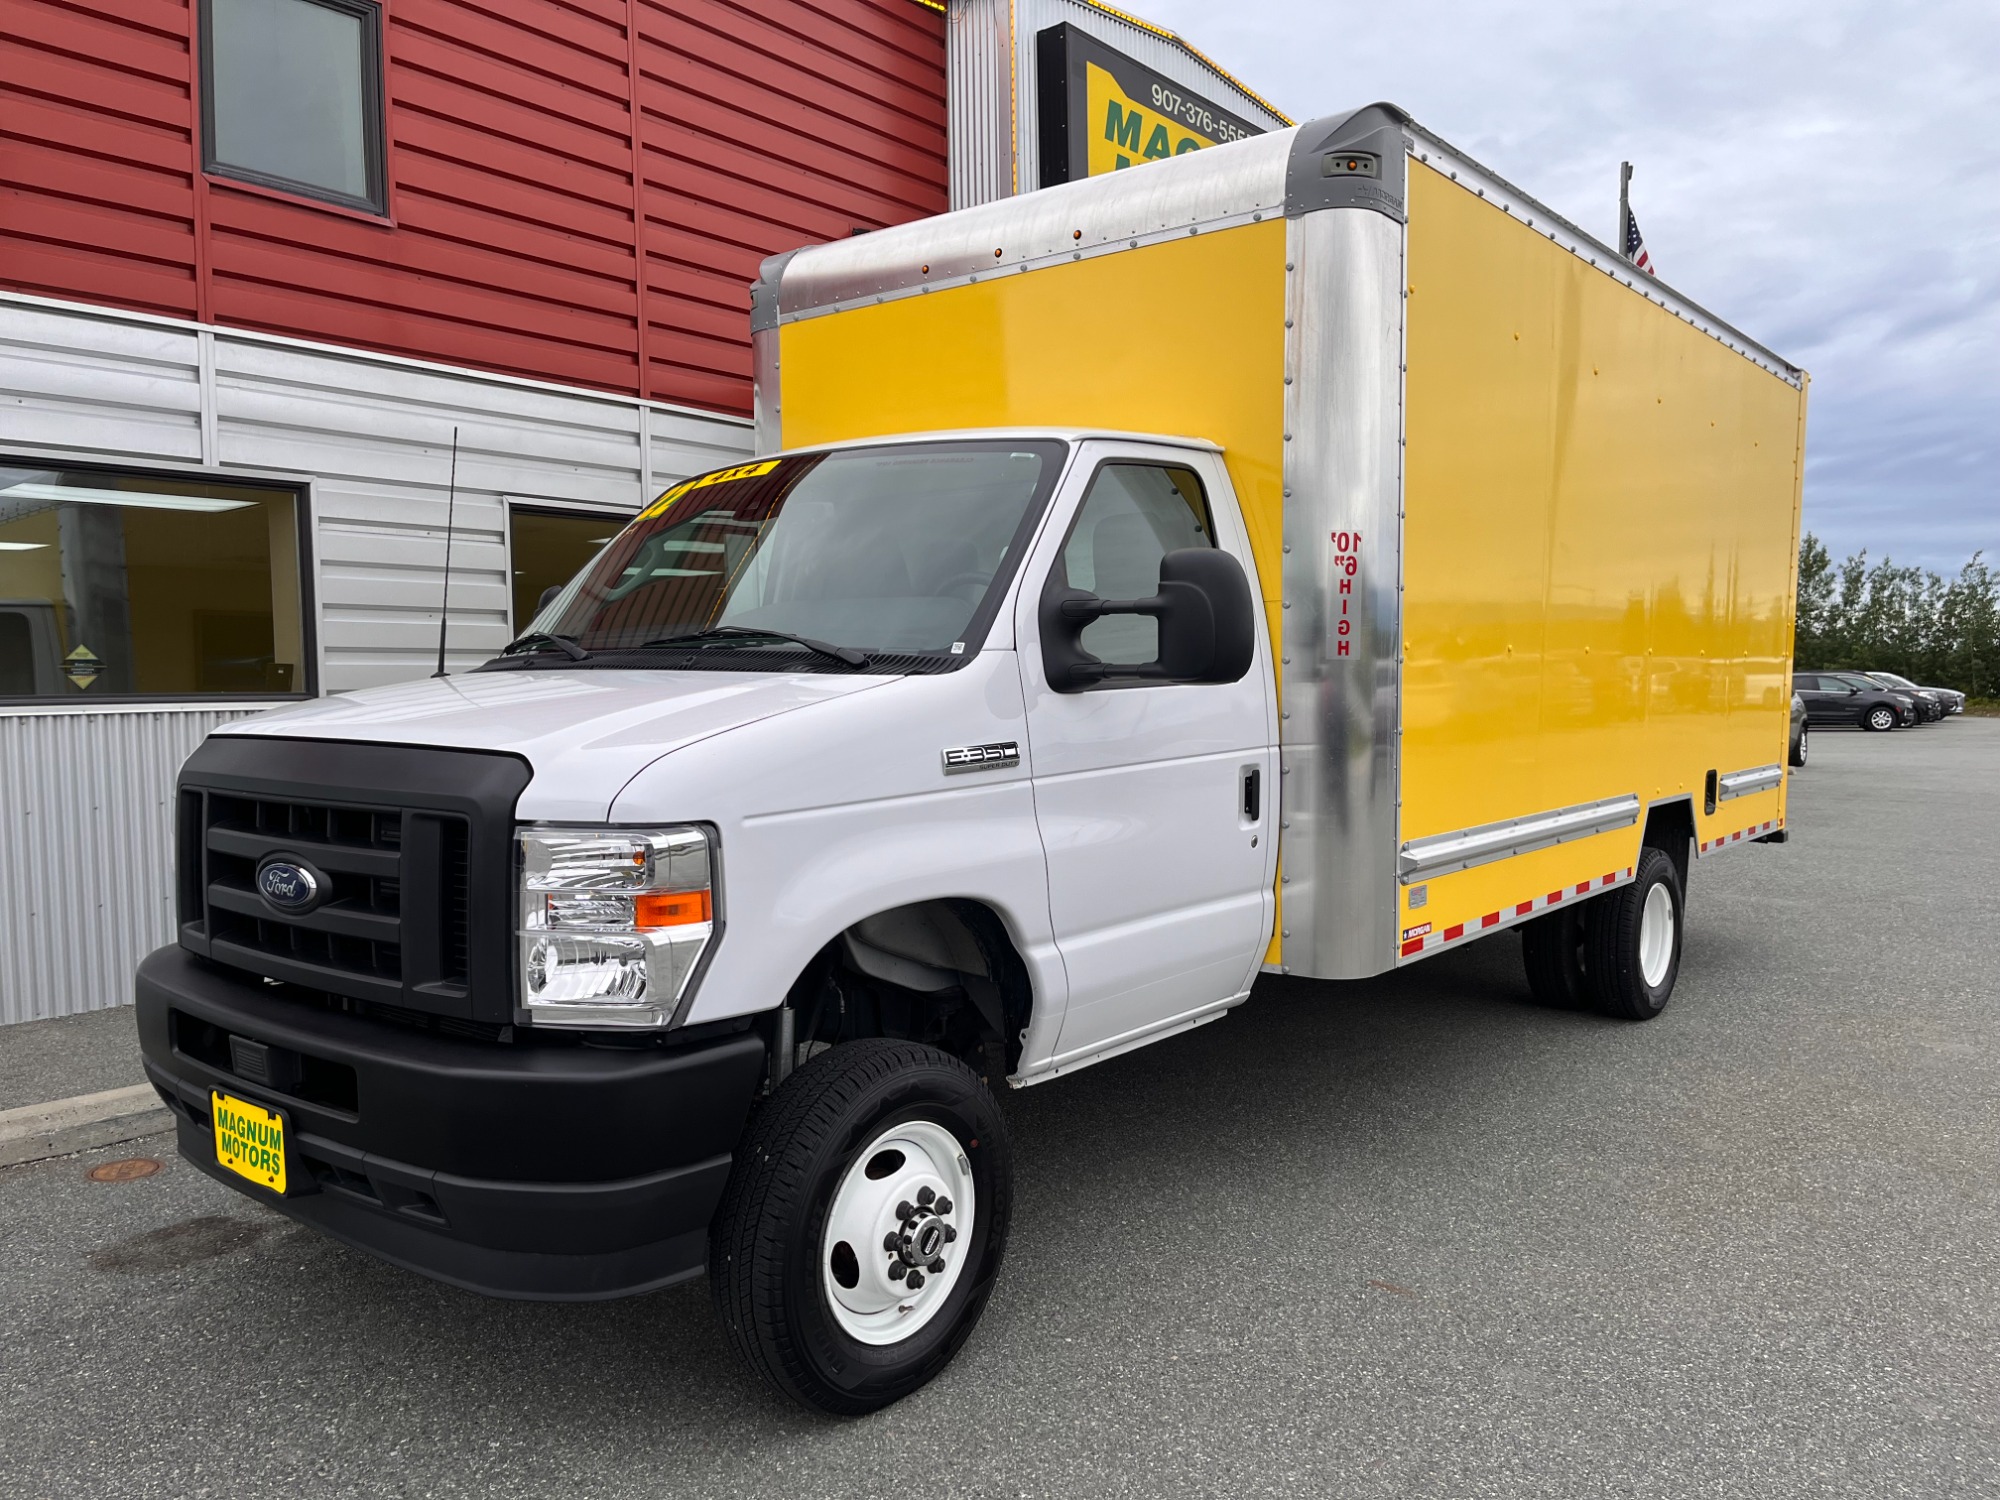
{"type": "Point", "coordinates": [1102, 111]}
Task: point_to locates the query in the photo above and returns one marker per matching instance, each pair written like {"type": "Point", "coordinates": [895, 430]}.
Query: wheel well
{"type": "Point", "coordinates": [944, 972]}
{"type": "Point", "coordinates": [1670, 829]}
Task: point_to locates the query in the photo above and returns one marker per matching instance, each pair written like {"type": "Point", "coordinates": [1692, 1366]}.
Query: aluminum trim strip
{"type": "Point", "coordinates": [1743, 783]}
{"type": "Point", "coordinates": [1444, 853]}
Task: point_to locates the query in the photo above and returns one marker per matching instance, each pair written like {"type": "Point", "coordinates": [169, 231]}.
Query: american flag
{"type": "Point", "coordinates": [1635, 245]}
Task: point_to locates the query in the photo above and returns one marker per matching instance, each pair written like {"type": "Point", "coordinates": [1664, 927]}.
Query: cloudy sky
{"type": "Point", "coordinates": [1824, 175]}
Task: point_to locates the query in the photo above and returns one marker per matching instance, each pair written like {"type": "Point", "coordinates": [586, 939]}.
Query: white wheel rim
{"type": "Point", "coordinates": [922, 1167]}
{"type": "Point", "coordinates": [1656, 935]}
{"type": "Point", "coordinates": [1802, 746]}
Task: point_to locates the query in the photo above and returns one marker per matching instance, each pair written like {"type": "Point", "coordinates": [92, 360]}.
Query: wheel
{"type": "Point", "coordinates": [1880, 717]}
{"type": "Point", "coordinates": [1798, 756]}
{"type": "Point", "coordinates": [1632, 941]}
{"type": "Point", "coordinates": [1552, 953]}
{"type": "Point", "coordinates": [863, 1224]}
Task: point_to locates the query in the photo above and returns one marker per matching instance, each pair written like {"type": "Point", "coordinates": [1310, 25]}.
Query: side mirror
{"type": "Point", "coordinates": [1207, 620]}
{"type": "Point", "coordinates": [547, 594]}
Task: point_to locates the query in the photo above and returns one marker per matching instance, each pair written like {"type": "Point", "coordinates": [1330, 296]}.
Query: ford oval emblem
{"type": "Point", "coordinates": [288, 886]}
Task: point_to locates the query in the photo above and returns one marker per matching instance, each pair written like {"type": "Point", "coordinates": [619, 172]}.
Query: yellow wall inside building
{"type": "Point", "coordinates": [1599, 549]}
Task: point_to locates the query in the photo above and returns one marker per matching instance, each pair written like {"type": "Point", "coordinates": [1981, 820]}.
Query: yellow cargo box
{"type": "Point", "coordinates": [1525, 520]}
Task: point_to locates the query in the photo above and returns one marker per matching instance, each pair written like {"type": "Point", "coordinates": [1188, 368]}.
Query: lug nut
{"type": "Point", "coordinates": [892, 1242]}
{"type": "Point", "coordinates": [937, 1265]}
{"type": "Point", "coordinates": [916, 1280]}
{"type": "Point", "coordinates": [950, 1234]}
{"type": "Point", "coordinates": [943, 1205]}
{"type": "Point", "coordinates": [905, 1212]}
{"type": "Point", "coordinates": [897, 1270]}
{"type": "Point", "coordinates": [925, 1196]}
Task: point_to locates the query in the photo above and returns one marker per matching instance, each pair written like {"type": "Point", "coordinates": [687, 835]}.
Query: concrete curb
{"type": "Point", "coordinates": [36, 1132]}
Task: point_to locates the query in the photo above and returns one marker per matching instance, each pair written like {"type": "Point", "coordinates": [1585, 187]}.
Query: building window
{"type": "Point", "coordinates": [291, 97]}
{"type": "Point", "coordinates": [117, 584]}
{"type": "Point", "coordinates": [549, 548]}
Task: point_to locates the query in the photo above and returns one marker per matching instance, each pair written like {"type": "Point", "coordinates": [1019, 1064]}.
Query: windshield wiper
{"type": "Point", "coordinates": [563, 643]}
{"type": "Point", "coordinates": [847, 654]}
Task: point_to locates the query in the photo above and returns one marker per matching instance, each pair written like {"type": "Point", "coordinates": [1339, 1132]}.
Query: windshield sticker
{"type": "Point", "coordinates": [720, 476]}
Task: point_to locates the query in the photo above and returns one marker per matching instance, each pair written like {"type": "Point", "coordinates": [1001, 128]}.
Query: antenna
{"type": "Point", "coordinates": [450, 509]}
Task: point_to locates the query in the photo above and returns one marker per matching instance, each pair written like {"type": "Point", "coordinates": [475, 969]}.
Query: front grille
{"type": "Point", "coordinates": [410, 850]}
{"type": "Point", "coordinates": [357, 928]}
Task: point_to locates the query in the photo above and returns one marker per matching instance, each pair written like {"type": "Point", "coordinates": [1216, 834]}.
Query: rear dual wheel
{"type": "Point", "coordinates": [1618, 953]}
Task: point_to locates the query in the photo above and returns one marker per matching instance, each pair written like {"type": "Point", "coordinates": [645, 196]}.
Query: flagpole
{"type": "Point", "coordinates": [1624, 206]}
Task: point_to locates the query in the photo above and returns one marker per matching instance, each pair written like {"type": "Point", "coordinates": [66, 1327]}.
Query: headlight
{"type": "Point", "coordinates": [614, 922]}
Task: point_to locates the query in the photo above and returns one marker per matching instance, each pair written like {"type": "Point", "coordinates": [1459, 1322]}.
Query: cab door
{"type": "Point", "coordinates": [1154, 799]}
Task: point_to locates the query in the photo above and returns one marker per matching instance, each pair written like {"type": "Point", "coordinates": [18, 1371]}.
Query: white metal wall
{"type": "Point", "coordinates": [995, 134]}
{"type": "Point", "coordinates": [86, 850]}
{"type": "Point", "coordinates": [84, 794]}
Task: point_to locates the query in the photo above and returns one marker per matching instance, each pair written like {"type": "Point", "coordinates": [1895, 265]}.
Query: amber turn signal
{"type": "Point", "coordinates": [671, 909]}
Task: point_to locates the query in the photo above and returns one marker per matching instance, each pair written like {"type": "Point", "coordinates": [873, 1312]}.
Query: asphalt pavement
{"type": "Point", "coordinates": [1412, 1237]}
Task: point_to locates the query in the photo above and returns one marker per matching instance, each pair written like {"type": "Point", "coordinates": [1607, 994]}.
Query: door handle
{"type": "Point", "coordinates": [1253, 794]}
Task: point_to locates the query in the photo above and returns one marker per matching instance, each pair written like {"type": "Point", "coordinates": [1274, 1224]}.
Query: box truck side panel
{"type": "Point", "coordinates": [1598, 555]}
{"type": "Point", "coordinates": [1184, 337]}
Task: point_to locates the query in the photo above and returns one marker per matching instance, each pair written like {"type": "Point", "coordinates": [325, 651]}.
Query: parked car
{"type": "Point", "coordinates": [1797, 754]}
{"type": "Point", "coordinates": [1949, 700]}
{"type": "Point", "coordinates": [1850, 698]}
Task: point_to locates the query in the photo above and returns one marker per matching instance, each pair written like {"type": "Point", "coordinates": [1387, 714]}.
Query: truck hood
{"type": "Point", "coordinates": [584, 733]}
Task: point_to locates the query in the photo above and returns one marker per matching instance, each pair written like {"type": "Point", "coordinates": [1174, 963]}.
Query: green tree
{"type": "Point", "coordinates": [1891, 618]}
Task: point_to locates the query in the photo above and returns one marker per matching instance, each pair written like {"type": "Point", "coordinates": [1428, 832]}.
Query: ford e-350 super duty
{"type": "Point", "coordinates": [1299, 556]}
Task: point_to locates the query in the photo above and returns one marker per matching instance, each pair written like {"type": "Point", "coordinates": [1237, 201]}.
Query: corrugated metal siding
{"type": "Point", "coordinates": [86, 819]}
{"type": "Point", "coordinates": [767, 127]}
{"type": "Point", "coordinates": [979, 58]}
{"type": "Point", "coordinates": [515, 243]}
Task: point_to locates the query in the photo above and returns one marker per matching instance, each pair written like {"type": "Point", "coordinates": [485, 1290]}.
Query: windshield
{"type": "Point", "coordinates": [902, 549]}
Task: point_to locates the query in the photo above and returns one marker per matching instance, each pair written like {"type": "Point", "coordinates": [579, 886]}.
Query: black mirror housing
{"type": "Point", "coordinates": [1207, 618]}
{"type": "Point", "coordinates": [1213, 640]}
{"type": "Point", "coordinates": [547, 594]}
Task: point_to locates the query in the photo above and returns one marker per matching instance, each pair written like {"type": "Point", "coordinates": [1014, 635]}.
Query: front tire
{"type": "Point", "coordinates": [1798, 755]}
{"type": "Point", "coordinates": [857, 1148]}
{"type": "Point", "coordinates": [1880, 718]}
{"type": "Point", "coordinates": [1632, 941]}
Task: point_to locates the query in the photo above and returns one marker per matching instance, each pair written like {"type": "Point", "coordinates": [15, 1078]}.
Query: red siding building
{"type": "Point", "coordinates": [578, 191]}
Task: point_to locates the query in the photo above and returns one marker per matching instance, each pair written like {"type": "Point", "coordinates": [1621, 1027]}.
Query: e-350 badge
{"type": "Point", "coordinates": [982, 757]}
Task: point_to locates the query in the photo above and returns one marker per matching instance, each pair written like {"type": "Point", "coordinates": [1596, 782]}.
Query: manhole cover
{"type": "Point", "coordinates": [131, 1169]}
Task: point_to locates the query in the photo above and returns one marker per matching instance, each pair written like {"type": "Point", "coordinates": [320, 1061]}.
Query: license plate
{"type": "Point", "coordinates": [249, 1140]}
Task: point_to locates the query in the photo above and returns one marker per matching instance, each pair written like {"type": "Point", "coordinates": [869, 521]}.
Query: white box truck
{"type": "Point", "coordinates": [1303, 556]}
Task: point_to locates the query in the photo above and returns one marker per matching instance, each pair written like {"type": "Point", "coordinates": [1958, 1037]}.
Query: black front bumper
{"type": "Point", "coordinates": [559, 1172]}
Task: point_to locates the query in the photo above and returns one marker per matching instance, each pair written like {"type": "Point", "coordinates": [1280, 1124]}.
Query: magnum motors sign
{"type": "Point", "coordinates": [1101, 111]}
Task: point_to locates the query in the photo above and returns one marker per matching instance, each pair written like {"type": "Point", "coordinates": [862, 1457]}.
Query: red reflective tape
{"type": "Point", "coordinates": [1583, 889]}
{"type": "Point", "coordinates": [1453, 933]}
{"type": "Point", "coordinates": [1524, 908]}
{"type": "Point", "coordinates": [1554, 897]}
{"type": "Point", "coordinates": [1491, 919]}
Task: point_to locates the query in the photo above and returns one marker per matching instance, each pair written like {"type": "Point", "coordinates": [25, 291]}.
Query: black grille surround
{"type": "Point", "coordinates": [415, 848]}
